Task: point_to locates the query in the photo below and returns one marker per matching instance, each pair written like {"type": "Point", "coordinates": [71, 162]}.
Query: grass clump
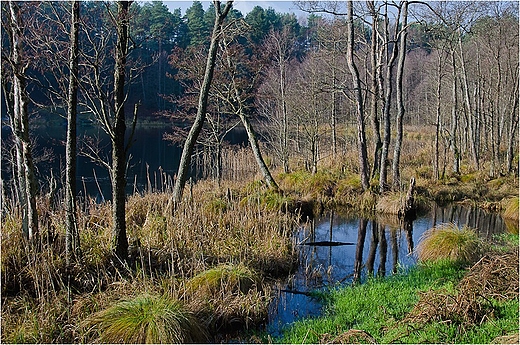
{"type": "Point", "coordinates": [511, 209]}
{"type": "Point", "coordinates": [390, 203]}
{"type": "Point", "coordinates": [447, 241]}
{"type": "Point", "coordinates": [228, 296]}
{"type": "Point", "coordinates": [227, 279]}
{"type": "Point", "coordinates": [147, 319]}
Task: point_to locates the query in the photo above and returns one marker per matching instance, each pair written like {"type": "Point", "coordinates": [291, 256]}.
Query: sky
{"type": "Point", "coordinates": [243, 6]}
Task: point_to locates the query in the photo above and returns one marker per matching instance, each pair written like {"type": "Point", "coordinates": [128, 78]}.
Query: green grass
{"type": "Point", "coordinates": [382, 309]}
{"type": "Point", "coordinates": [374, 305]}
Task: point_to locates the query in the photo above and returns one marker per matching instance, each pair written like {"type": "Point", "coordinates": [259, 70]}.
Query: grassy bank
{"type": "Point", "coordinates": [434, 302]}
{"type": "Point", "coordinates": [209, 265]}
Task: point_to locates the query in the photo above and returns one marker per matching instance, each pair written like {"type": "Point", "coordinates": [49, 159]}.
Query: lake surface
{"type": "Point", "coordinates": [360, 248]}
{"type": "Point", "coordinates": [153, 161]}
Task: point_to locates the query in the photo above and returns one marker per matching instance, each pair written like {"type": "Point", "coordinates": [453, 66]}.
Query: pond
{"type": "Point", "coordinates": [337, 249]}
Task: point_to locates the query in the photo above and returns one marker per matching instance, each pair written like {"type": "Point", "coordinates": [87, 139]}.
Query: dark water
{"type": "Point", "coordinates": [152, 162]}
{"type": "Point", "coordinates": [361, 248]}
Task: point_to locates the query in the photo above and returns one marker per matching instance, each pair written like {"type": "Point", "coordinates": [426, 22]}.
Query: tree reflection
{"type": "Point", "coordinates": [379, 240]}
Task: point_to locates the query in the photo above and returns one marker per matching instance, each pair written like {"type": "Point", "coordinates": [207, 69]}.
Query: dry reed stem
{"type": "Point", "coordinates": [507, 339]}
{"type": "Point", "coordinates": [352, 336]}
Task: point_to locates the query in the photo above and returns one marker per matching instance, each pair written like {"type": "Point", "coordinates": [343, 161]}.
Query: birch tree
{"type": "Point", "coordinates": [72, 235]}
{"type": "Point", "coordinates": [14, 84]}
{"type": "Point", "coordinates": [356, 85]}
{"type": "Point", "coordinates": [185, 161]}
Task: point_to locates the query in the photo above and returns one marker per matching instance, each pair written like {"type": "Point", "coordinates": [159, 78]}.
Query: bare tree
{"type": "Point", "coordinates": [14, 83]}
{"type": "Point", "coordinates": [105, 96]}
{"type": "Point", "coordinates": [356, 83]}
{"type": "Point", "coordinates": [375, 59]}
{"type": "Point", "coordinates": [386, 87]}
{"type": "Point", "coordinates": [399, 90]}
{"type": "Point", "coordinates": [73, 250]}
{"type": "Point", "coordinates": [184, 165]}
{"type": "Point", "coordinates": [238, 79]}
{"type": "Point", "coordinates": [280, 46]}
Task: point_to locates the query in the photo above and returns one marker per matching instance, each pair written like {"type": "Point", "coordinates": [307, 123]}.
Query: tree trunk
{"type": "Point", "coordinates": [285, 119]}
{"type": "Point", "coordinates": [362, 145]}
{"type": "Point", "coordinates": [118, 135]}
{"type": "Point", "coordinates": [467, 103]}
{"type": "Point", "coordinates": [400, 101]}
{"type": "Point", "coordinates": [387, 105]}
{"type": "Point", "coordinates": [437, 118]}
{"type": "Point", "coordinates": [20, 123]}
{"type": "Point", "coordinates": [189, 144]}
{"type": "Point", "coordinates": [376, 71]}
{"type": "Point", "coordinates": [72, 244]}
{"type": "Point", "coordinates": [512, 131]}
{"type": "Point", "coordinates": [454, 119]}
{"type": "Point", "coordinates": [268, 178]}
{"type": "Point", "coordinates": [333, 115]}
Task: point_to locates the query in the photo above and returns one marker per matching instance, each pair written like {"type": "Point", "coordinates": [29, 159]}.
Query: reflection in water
{"type": "Point", "coordinates": [360, 248]}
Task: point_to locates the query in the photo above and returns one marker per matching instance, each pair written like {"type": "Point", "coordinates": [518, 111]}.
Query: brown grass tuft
{"type": "Point", "coordinates": [511, 209]}
{"type": "Point", "coordinates": [390, 203]}
{"type": "Point", "coordinates": [447, 241]}
{"type": "Point", "coordinates": [491, 278]}
{"type": "Point", "coordinates": [507, 339]}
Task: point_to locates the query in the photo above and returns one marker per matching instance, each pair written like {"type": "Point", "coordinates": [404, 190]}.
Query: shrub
{"type": "Point", "coordinates": [147, 319]}
{"type": "Point", "coordinates": [449, 242]}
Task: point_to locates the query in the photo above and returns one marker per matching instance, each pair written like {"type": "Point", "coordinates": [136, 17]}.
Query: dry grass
{"type": "Point", "coordinates": [493, 277]}
{"type": "Point", "coordinates": [146, 319]}
{"type": "Point", "coordinates": [511, 209]}
{"type": "Point", "coordinates": [228, 296]}
{"type": "Point", "coordinates": [226, 279]}
{"type": "Point", "coordinates": [167, 249]}
{"type": "Point", "coordinates": [352, 336]}
{"type": "Point", "coordinates": [447, 241]}
{"type": "Point", "coordinates": [390, 203]}
{"type": "Point", "coordinates": [507, 339]}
